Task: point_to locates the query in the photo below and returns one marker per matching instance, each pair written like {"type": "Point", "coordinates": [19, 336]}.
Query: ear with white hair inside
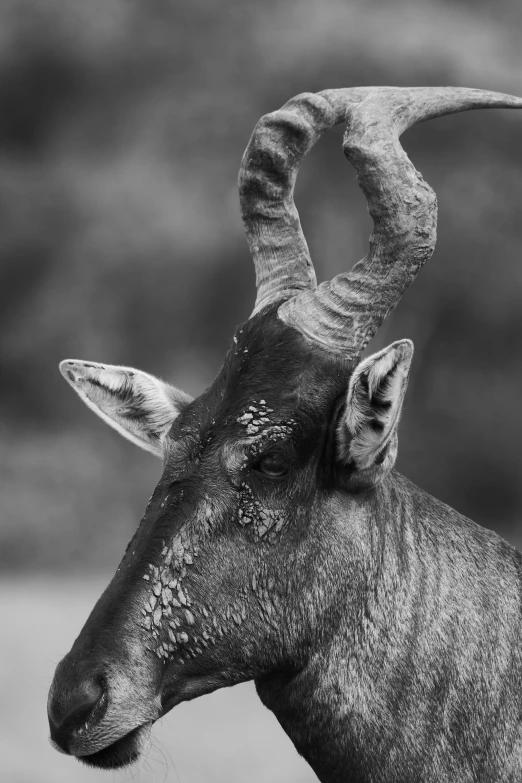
{"type": "Point", "coordinates": [367, 430]}
{"type": "Point", "coordinates": [139, 406]}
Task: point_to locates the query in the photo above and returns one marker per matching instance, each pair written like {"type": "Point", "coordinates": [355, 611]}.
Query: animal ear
{"type": "Point", "coordinates": [367, 430]}
{"type": "Point", "coordinates": [138, 405]}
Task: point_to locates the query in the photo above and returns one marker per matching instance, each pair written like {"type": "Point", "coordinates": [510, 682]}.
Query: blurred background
{"type": "Point", "coordinates": [122, 126]}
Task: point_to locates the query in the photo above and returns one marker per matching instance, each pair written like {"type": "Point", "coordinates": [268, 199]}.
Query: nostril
{"type": "Point", "coordinates": [69, 712]}
{"type": "Point", "coordinates": [85, 701]}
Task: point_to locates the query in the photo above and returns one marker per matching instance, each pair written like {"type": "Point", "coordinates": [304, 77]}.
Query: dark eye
{"type": "Point", "coordinates": [272, 466]}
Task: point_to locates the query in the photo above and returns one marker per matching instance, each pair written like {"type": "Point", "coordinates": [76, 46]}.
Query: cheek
{"type": "Point", "coordinates": [183, 615]}
{"type": "Point", "coordinates": [264, 522]}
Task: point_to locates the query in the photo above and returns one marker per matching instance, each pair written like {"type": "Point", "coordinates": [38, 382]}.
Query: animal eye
{"type": "Point", "coordinates": [272, 465]}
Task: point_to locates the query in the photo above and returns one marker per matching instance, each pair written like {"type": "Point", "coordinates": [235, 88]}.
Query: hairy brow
{"type": "Point", "coordinates": [237, 452]}
{"type": "Point", "coordinates": [179, 452]}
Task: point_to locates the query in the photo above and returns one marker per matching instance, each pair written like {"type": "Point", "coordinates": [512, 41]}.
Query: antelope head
{"type": "Point", "coordinates": [254, 543]}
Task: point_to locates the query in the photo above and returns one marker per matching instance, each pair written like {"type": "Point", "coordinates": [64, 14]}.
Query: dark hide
{"type": "Point", "coordinates": [381, 627]}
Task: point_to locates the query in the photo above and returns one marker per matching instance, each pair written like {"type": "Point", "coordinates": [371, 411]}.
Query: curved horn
{"type": "Point", "coordinates": [266, 188]}
{"type": "Point", "coordinates": [343, 314]}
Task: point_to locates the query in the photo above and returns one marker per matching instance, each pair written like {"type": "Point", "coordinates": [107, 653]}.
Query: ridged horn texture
{"type": "Point", "coordinates": [343, 314]}
{"type": "Point", "coordinates": [266, 189]}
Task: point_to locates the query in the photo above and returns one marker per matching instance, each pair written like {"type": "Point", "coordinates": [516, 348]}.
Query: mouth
{"type": "Point", "coordinates": [119, 754]}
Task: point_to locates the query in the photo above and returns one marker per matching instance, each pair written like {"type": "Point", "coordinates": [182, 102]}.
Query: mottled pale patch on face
{"type": "Point", "coordinates": [264, 521]}
{"type": "Point", "coordinates": [255, 417]}
{"type": "Point", "coordinates": [260, 427]}
{"type": "Point", "coordinates": [181, 628]}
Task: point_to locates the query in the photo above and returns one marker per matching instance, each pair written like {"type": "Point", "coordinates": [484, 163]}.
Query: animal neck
{"type": "Point", "coordinates": [388, 650]}
{"type": "Point", "coordinates": [323, 702]}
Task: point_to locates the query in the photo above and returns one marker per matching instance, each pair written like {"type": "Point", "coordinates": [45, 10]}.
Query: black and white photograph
{"type": "Point", "coordinates": [260, 384]}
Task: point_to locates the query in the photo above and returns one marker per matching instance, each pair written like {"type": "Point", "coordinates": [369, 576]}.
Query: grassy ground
{"type": "Point", "coordinates": [227, 736]}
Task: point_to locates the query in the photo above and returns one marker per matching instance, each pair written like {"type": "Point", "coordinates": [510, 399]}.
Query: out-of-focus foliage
{"type": "Point", "coordinates": [122, 125]}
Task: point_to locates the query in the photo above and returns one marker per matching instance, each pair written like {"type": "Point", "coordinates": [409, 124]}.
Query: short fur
{"type": "Point", "coordinates": [138, 405]}
{"type": "Point", "coordinates": [381, 627]}
{"type": "Point", "coordinates": [367, 433]}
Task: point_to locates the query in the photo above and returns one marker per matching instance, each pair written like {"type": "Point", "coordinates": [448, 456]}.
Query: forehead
{"type": "Point", "coordinates": [272, 376]}
{"type": "Point", "coordinates": [267, 360]}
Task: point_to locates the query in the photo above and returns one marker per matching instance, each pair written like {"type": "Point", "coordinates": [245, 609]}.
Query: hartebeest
{"type": "Point", "coordinates": [382, 628]}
